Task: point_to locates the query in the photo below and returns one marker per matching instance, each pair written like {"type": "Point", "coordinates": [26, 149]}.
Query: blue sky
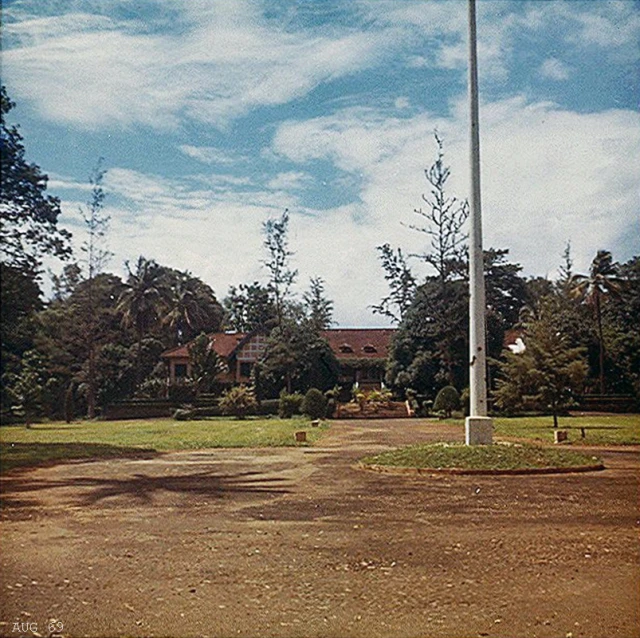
{"type": "Point", "coordinates": [213, 116]}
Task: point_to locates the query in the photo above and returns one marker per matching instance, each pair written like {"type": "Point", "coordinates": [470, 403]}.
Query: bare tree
{"type": "Point", "coordinates": [402, 284]}
{"type": "Point", "coordinates": [444, 218]}
{"type": "Point", "coordinates": [281, 277]}
{"type": "Point", "coordinates": [96, 257]}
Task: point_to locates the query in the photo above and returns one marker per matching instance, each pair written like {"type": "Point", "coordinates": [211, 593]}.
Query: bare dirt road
{"type": "Point", "coordinates": [298, 542]}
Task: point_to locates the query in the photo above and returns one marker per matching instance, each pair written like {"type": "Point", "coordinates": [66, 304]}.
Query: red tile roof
{"type": "Point", "coordinates": [224, 343]}
{"type": "Point", "coordinates": [346, 343]}
{"type": "Point", "coordinates": [364, 343]}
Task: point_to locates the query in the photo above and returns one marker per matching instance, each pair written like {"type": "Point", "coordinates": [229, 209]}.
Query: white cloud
{"type": "Point", "coordinates": [207, 154]}
{"type": "Point", "coordinates": [291, 180]}
{"type": "Point", "coordinates": [549, 175]}
{"type": "Point", "coordinates": [103, 72]}
{"type": "Point", "coordinates": [554, 69]}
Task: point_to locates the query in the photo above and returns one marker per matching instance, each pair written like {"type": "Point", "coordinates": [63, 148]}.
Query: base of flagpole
{"type": "Point", "coordinates": [478, 430]}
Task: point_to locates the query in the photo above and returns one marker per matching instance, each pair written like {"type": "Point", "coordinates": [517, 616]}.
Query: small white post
{"type": "Point", "coordinates": [478, 426]}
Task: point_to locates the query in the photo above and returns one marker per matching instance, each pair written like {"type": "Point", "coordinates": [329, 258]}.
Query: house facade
{"type": "Point", "coordinates": [361, 353]}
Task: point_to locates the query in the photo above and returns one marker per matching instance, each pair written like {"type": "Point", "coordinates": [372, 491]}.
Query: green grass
{"type": "Point", "coordinates": [621, 429]}
{"type": "Point", "coordinates": [481, 457]}
{"type": "Point", "coordinates": [53, 442]}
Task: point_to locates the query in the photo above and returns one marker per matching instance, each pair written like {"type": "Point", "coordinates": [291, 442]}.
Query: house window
{"type": "Point", "coordinates": [369, 348]}
{"type": "Point", "coordinates": [245, 369]}
{"type": "Point", "coordinates": [345, 347]}
{"type": "Point", "coordinates": [180, 370]}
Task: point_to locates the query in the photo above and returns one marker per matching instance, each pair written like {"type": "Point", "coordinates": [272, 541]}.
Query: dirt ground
{"type": "Point", "coordinates": [299, 542]}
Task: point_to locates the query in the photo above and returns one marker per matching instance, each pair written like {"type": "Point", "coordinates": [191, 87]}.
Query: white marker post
{"type": "Point", "coordinates": [478, 426]}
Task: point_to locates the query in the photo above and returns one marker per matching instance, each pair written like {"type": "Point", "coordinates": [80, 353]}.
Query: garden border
{"type": "Point", "coordinates": [457, 471]}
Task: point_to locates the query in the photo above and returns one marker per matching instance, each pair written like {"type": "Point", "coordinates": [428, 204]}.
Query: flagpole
{"type": "Point", "coordinates": [478, 426]}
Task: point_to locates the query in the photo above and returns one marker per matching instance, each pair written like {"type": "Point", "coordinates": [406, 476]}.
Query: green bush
{"type": "Point", "coordinates": [314, 404]}
{"type": "Point", "coordinates": [289, 404]}
{"type": "Point", "coordinates": [268, 407]}
{"type": "Point", "coordinates": [446, 401]}
{"type": "Point", "coordinates": [181, 392]}
{"type": "Point", "coordinates": [238, 401]}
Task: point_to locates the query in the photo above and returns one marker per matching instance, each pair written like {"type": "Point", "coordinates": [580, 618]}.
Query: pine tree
{"type": "Point", "coordinates": [548, 375]}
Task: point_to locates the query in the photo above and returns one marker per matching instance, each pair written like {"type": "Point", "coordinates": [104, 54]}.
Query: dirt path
{"type": "Point", "coordinates": [297, 542]}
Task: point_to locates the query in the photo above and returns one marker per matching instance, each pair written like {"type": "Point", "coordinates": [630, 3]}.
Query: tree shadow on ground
{"type": "Point", "coordinates": [24, 456]}
{"type": "Point", "coordinates": [141, 488]}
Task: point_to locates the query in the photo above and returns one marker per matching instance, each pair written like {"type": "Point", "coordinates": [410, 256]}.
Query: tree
{"type": "Point", "coordinates": [430, 346]}
{"type": "Point", "coordinates": [27, 387]}
{"type": "Point", "coordinates": [28, 215]}
{"type": "Point", "coordinates": [64, 284]}
{"type": "Point", "coordinates": [314, 404]}
{"type": "Point", "coordinates": [318, 308]}
{"type": "Point", "coordinates": [444, 219]}
{"type": "Point", "coordinates": [603, 280]}
{"type": "Point", "coordinates": [249, 307]}
{"type": "Point", "coordinates": [548, 374]}
{"type": "Point", "coordinates": [61, 339]}
{"type": "Point", "coordinates": [621, 328]}
{"type": "Point", "coordinates": [96, 257]}
{"type": "Point", "coordinates": [281, 277]}
{"type": "Point", "coordinates": [142, 302]}
{"type": "Point", "coordinates": [192, 307]}
{"type": "Point", "coordinates": [20, 300]}
{"type": "Point", "coordinates": [206, 365]}
{"type": "Point", "coordinates": [297, 358]}
{"type": "Point", "coordinates": [402, 284]}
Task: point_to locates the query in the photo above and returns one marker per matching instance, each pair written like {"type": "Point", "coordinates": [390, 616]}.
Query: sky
{"type": "Point", "coordinates": [213, 116]}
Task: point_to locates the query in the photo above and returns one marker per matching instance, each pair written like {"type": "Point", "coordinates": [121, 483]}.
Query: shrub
{"type": "Point", "coordinates": [379, 398]}
{"type": "Point", "coordinates": [181, 392]}
{"type": "Point", "coordinates": [268, 407]}
{"type": "Point", "coordinates": [289, 404]}
{"type": "Point", "coordinates": [239, 401]}
{"type": "Point", "coordinates": [447, 400]}
{"type": "Point", "coordinates": [314, 404]}
{"type": "Point", "coordinates": [152, 389]}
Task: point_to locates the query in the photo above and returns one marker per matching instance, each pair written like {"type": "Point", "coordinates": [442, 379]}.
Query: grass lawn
{"type": "Point", "coordinates": [50, 442]}
{"type": "Point", "coordinates": [482, 458]}
{"type": "Point", "coordinates": [612, 429]}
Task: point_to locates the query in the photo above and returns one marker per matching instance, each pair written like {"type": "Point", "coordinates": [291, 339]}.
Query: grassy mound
{"type": "Point", "coordinates": [482, 458]}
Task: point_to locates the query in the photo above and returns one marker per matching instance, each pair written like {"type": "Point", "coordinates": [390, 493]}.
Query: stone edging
{"type": "Point", "coordinates": [417, 471]}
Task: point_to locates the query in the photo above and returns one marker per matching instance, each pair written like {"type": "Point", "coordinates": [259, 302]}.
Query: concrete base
{"type": "Point", "coordinates": [478, 430]}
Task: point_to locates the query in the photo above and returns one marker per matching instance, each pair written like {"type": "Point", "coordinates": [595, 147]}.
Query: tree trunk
{"type": "Point", "coordinates": [288, 380]}
{"type": "Point", "coordinates": [138, 360]}
{"type": "Point", "coordinates": [91, 380]}
{"type": "Point", "coordinates": [600, 343]}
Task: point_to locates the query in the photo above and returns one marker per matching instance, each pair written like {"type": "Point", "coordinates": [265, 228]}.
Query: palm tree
{"type": "Point", "coordinates": [603, 279]}
{"type": "Point", "coordinates": [193, 307]}
{"type": "Point", "coordinates": [142, 301]}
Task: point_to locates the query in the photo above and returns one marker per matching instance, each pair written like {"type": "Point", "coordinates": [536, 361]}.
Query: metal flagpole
{"type": "Point", "coordinates": [478, 426]}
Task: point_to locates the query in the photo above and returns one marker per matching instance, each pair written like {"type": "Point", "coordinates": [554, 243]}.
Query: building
{"type": "Point", "coordinates": [361, 353]}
